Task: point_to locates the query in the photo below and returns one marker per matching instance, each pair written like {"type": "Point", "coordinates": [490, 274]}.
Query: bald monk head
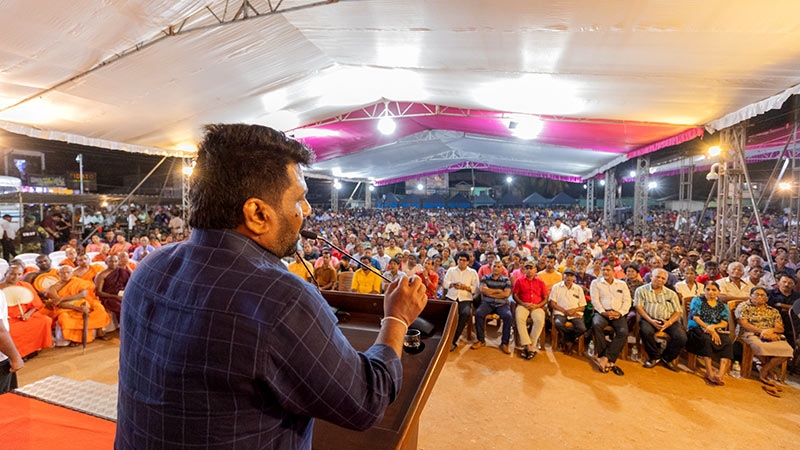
{"type": "Point", "coordinates": [65, 273]}
{"type": "Point", "coordinates": [14, 274]}
{"type": "Point", "coordinates": [112, 262]}
{"type": "Point", "coordinates": [83, 262]}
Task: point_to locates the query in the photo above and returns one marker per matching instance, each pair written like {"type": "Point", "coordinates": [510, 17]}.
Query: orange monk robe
{"type": "Point", "coordinates": [94, 269]}
{"type": "Point", "coordinates": [67, 262]}
{"type": "Point", "coordinates": [99, 258]}
{"type": "Point", "coordinates": [29, 269]}
{"type": "Point", "coordinates": [71, 321]}
{"type": "Point", "coordinates": [131, 265]}
{"type": "Point", "coordinates": [35, 333]}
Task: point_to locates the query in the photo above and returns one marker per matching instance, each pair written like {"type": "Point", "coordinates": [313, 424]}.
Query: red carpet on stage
{"type": "Point", "coordinates": [26, 423]}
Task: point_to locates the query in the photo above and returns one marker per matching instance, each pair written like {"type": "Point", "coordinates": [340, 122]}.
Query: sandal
{"type": "Point", "coordinates": [771, 384]}
{"type": "Point", "coordinates": [529, 355]}
{"type": "Point", "coordinates": [524, 353]}
{"type": "Point", "coordinates": [596, 362]}
{"type": "Point", "coordinates": [617, 371]}
{"type": "Point", "coordinates": [771, 391]}
{"type": "Point", "coordinates": [710, 382]}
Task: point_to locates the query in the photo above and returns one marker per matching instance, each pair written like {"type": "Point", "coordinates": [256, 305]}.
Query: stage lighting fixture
{"type": "Point", "coordinates": [784, 186]}
{"type": "Point", "coordinates": [633, 173]}
{"type": "Point", "coordinates": [584, 186]}
{"type": "Point", "coordinates": [420, 187]}
{"type": "Point", "coordinates": [386, 125]}
{"type": "Point", "coordinates": [652, 185]}
{"type": "Point", "coordinates": [337, 185]}
{"type": "Point", "coordinates": [714, 150]}
{"type": "Point", "coordinates": [188, 170]}
{"type": "Point", "coordinates": [509, 180]}
{"type": "Point", "coordinates": [371, 187]}
{"type": "Point", "coordinates": [526, 128]}
{"type": "Point", "coordinates": [602, 182]}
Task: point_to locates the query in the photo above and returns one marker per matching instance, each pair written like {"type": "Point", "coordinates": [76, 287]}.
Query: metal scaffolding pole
{"type": "Point", "coordinates": [368, 196]}
{"type": "Point", "coordinates": [729, 224]}
{"type": "Point", "coordinates": [640, 194]}
{"type": "Point", "coordinates": [794, 199]}
{"type": "Point", "coordinates": [589, 195]}
{"type": "Point", "coordinates": [334, 197]}
{"type": "Point", "coordinates": [685, 192]}
{"type": "Point", "coordinates": [610, 199]}
{"type": "Point", "coordinates": [186, 174]}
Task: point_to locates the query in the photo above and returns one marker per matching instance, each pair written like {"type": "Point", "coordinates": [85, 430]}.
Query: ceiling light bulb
{"type": "Point", "coordinates": [188, 170]}
{"type": "Point", "coordinates": [509, 179]}
{"type": "Point", "coordinates": [386, 125]}
{"type": "Point", "coordinates": [420, 187]}
{"type": "Point", "coordinates": [633, 173]}
{"type": "Point", "coordinates": [337, 185]}
{"type": "Point", "coordinates": [652, 185]}
{"type": "Point", "coordinates": [602, 182]}
{"type": "Point", "coordinates": [714, 150]}
{"type": "Point", "coordinates": [371, 188]}
{"type": "Point", "coordinates": [784, 186]}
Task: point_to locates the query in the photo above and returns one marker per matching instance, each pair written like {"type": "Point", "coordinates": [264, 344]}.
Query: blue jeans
{"type": "Point", "coordinates": [486, 308]}
{"type": "Point", "coordinates": [48, 246]}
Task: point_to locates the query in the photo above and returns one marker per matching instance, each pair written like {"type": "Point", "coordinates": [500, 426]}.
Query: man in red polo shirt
{"type": "Point", "coordinates": [530, 293]}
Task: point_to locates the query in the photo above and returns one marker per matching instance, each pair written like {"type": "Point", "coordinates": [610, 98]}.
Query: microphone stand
{"type": "Point", "coordinates": [311, 235]}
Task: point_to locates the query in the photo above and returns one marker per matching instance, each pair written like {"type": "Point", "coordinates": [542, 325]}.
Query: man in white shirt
{"type": "Point", "coordinates": [733, 287]}
{"type": "Point", "coordinates": [461, 284]}
{"type": "Point", "coordinates": [10, 360]}
{"type": "Point", "coordinates": [393, 227]}
{"type": "Point", "coordinates": [582, 233]}
{"type": "Point", "coordinates": [595, 248]}
{"type": "Point", "coordinates": [176, 225]}
{"type": "Point", "coordinates": [611, 300]}
{"type": "Point", "coordinates": [568, 303]}
{"type": "Point", "coordinates": [9, 234]}
{"type": "Point", "coordinates": [558, 233]}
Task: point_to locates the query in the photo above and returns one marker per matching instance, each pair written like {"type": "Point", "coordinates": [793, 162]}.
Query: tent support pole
{"type": "Point", "coordinates": [125, 200]}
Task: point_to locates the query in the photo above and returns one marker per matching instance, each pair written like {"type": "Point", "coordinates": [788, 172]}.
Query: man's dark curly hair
{"type": "Point", "coordinates": [236, 162]}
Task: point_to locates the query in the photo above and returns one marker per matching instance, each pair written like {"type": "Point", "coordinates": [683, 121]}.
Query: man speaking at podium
{"type": "Point", "coordinates": [222, 347]}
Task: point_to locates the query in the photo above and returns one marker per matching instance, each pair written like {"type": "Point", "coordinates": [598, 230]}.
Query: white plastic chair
{"type": "Point", "coordinates": [91, 255]}
{"type": "Point", "coordinates": [57, 257]}
{"type": "Point", "coordinates": [3, 267]}
{"type": "Point", "coordinates": [28, 258]}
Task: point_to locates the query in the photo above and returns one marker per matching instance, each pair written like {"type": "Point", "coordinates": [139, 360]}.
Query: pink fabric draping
{"type": "Point", "coordinates": [668, 142]}
{"type": "Point", "coordinates": [356, 130]}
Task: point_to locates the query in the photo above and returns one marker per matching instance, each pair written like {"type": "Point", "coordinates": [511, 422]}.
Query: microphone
{"type": "Point", "coordinates": [311, 235]}
{"type": "Point", "coordinates": [306, 267]}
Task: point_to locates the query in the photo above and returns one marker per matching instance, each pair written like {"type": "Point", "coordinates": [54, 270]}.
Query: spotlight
{"type": "Point", "coordinates": [714, 150]}
{"type": "Point", "coordinates": [420, 187]}
{"type": "Point", "coordinates": [509, 180]}
{"type": "Point", "coordinates": [188, 170]}
{"type": "Point", "coordinates": [633, 173]}
{"type": "Point", "coordinates": [104, 204]}
{"type": "Point", "coordinates": [652, 170]}
{"type": "Point", "coordinates": [337, 185]}
{"type": "Point", "coordinates": [652, 185]}
{"type": "Point", "coordinates": [371, 187]}
{"type": "Point", "coordinates": [602, 182]}
{"type": "Point", "coordinates": [386, 125]}
{"type": "Point", "coordinates": [784, 186]}
{"type": "Point", "coordinates": [584, 186]}
{"type": "Point", "coordinates": [526, 128]}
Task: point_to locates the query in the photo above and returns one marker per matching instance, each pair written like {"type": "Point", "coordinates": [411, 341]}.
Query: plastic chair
{"type": "Point", "coordinates": [3, 267]}
{"type": "Point", "coordinates": [57, 257]}
{"type": "Point", "coordinates": [91, 255]}
{"type": "Point", "coordinates": [28, 258]}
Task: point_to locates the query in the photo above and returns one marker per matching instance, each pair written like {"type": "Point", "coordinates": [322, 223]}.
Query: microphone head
{"type": "Point", "coordinates": [308, 234]}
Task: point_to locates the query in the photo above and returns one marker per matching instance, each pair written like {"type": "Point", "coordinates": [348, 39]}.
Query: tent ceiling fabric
{"type": "Point", "coordinates": [670, 62]}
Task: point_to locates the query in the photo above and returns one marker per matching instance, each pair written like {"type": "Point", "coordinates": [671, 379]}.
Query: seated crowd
{"type": "Point", "coordinates": [74, 301]}
{"type": "Point", "coordinates": [532, 269]}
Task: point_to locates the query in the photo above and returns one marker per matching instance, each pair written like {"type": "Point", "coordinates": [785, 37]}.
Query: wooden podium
{"type": "Point", "coordinates": [399, 426]}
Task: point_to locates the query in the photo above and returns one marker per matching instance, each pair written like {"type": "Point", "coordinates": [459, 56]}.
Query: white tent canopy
{"type": "Point", "coordinates": [673, 62]}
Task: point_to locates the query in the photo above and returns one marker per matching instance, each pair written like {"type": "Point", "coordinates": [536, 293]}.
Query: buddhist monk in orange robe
{"type": "Point", "coordinates": [86, 270]}
{"type": "Point", "coordinates": [30, 329]}
{"type": "Point", "coordinates": [100, 257]}
{"type": "Point", "coordinates": [71, 258]}
{"type": "Point", "coordinates": [71, 297]}
{"type": "Point", "coordinates": [43, 263]}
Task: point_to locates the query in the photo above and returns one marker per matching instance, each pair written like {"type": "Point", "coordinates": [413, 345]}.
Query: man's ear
{"type": "Point", "coordinates": [259, 217]}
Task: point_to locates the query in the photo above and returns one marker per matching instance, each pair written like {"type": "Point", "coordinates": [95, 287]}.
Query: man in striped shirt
{"type": "Point", "coordinates": [659, 310]}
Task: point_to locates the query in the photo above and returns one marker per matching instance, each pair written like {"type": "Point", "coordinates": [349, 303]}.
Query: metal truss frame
{"type": "Point", "coordinates": [685, 178]}
{"type": "Point", "coordinates": [640, 194]}
{"type": "Point", "coordinates": [589, 195]}
{"type": "Point", "coordinates": [610, 199]}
